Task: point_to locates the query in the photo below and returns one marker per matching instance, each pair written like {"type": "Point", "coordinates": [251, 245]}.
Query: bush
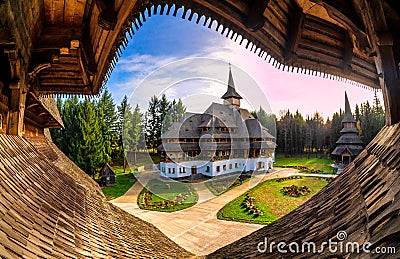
{"type": "Point", "coordinates": [295, 191]}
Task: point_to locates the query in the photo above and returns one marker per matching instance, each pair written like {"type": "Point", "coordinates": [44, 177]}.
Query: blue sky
{"type": "Point", "coordinates": [165, 39]}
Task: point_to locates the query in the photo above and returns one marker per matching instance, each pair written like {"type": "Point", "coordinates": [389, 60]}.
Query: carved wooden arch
{"type": "Point", "coordinates": [244, 28]}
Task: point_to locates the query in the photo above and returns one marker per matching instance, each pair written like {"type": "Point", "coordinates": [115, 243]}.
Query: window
{"type": "Point", "coordinates": [184, 170]}
{"type": "Point", "coordinates": [230, 166]}
{"type": "Point", "coordinates": [224, 167]}
{"type": "Point", "coordinates": [163, 169]}
{"type": "Point", "coordinates": [218, 169]}
{"type": "Point", "coordinates": [173, 170]}
{"type": "Point", "coordinates": [180, 170]}
{"type": "Point", "coordinates": [236, 165]}
{"type": "Point", "coordinates": [169, 170]}
{"type": "Point", "coordinates": [207, 169]}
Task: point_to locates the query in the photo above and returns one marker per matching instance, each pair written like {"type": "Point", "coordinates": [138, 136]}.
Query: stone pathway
{"type": "Point", "coordinates": [197, 228]}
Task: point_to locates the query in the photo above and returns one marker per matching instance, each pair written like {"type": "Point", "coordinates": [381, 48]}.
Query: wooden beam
{"type": "Point", "coordinates": [347, 55]}
{"type": "Point", "coordinates": [108, 17]}
{"type": "Point", "coordinates": [255, 18]}
{"type": "Point", "coordinates": [382, 40]}
{"type": "Point", "coordinates": [17, 98]}
{"type": "Point", "coordinates": [295, 29]}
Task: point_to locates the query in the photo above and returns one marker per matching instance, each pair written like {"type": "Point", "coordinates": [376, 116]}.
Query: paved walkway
{"type": "Point", "coordinates": [197, 228]}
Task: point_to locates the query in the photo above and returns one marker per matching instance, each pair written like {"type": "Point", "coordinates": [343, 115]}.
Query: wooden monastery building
{"type": "Point", "coordinates": [49, 208]}
{"type": "Point", "coordinates": [224, 139]}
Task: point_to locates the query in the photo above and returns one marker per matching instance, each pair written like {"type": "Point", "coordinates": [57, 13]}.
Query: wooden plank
{"type": "Point", "coordinates": [55, 68]}
{"type": "Point", "coordinates": [321, 47]}
{"type": "Point", "coordinates": [101, 42]}
{"type": "Point", "coordinates": [311, 23]}
{"type": "Point", "coordinates": [58, 9]}
{"type": "Point", "coordinates": [362, 71]}
{"type": "Point", "coordinates": [69, 13]}
{"type": "Point", "coordinates": [314, 36]}
{"type": "Point", "coordinates": [370, 66]}
{"type": "Point", "coordinates": [48, 11]}
{"type": "Point", "coordinates": [277, 9]}
{"type": "Point", "coordinates": [279, 24]}
{"type": "Point", "coordinates": [275, 33]}
{"type": "Point", "coordinates": [319, 57]}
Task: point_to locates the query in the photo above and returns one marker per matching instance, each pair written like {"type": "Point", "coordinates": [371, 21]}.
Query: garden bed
{"type": "Point", "coordinates": [268, 201]}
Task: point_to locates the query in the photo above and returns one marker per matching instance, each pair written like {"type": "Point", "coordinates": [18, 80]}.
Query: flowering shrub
{"type": "Point", "coordinates": [249, 204]}
{"type": "Point", "coordinates": [279, 180]}
{"type": "Point", "coordinates": [295, 191]}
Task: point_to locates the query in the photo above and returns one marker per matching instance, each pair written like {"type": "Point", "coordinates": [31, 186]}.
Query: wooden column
{"type": "Point", "coordinates": [17, 97]}
{"type": "Point", "coordinates": [382, 42]}
{"type": "Point", "coordinates": [391, 86]}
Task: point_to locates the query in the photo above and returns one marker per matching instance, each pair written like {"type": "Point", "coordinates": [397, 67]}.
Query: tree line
{"type": "Point", "coordinates": [97, 130]}
{"type": "Point", "coordinates": [312, 135]}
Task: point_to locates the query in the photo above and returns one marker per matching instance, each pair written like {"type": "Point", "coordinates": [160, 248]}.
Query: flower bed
{"type": "Point", "coordinates": [279, 180]}
{"type": "Point", "coordinates": [295, 191]}
{"type": "Point", "coordinates": [249, 204]}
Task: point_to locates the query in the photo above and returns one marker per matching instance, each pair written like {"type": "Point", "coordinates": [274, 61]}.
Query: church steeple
{"type": "Point", "coordinates": [348, 117]}
{"type": "Point", "coordinates": [231, 97]}
{"type": "Point", "coordinates": [349, 145]}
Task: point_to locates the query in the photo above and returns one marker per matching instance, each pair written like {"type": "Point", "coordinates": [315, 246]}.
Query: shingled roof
{"type": "Point", "coordinates": [363, 201]}
{"type": "Point", "coordinates": [348, 117]}
{"type": "Point", "coordinates": [231, 91]}
{"type": "Point", "coordinates": [45, 212]}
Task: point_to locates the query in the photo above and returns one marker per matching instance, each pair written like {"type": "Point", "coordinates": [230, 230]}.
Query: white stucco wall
{"type": "Point", "coordinates": [175, 170]}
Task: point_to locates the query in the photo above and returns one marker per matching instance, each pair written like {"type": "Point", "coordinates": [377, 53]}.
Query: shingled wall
{"type": "Point", "coordinates": [49, 209]}
{"type": "Point", "coordinates": [364, 201]}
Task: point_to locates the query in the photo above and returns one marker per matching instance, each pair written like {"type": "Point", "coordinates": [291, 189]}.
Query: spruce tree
{"type": "Point", "coordinates": [90, 154]}
{"type": "Point", "coordinates": [105, 110]}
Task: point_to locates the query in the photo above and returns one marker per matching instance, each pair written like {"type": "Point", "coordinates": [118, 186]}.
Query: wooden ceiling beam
{"type": "Point", "coordinates": [347, 55]}
{"type": "Point", "coordinates": [255, 18]}
{"type": "Point", "coordinates": [296, 26]}
{"type": "Point", "coordinates": [56, 37]}
{"type": "Point", "coordinates": [108, 17]}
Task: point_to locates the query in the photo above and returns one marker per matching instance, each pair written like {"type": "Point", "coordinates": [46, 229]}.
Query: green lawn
{"type": "Point", "coordinates": [270, 199]}
{"type": "Point", "coordinates": [321, 164]}
{"type": "Point", "coordinates": [164, 196]}
{"type": "Point", "coordinates": [220, 185]}
{"type": "Point", "coordinates": [123, 183]}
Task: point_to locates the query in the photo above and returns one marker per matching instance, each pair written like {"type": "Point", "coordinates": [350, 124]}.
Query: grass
{"type": "Point", "coordinates": [270, 199]}
{"type": "Point", "coordinates": [221, 185]}
{"type": "Point", "coordinates": [313, 164]}
{"type": "Point", "coordinates": [161, 195]}
{"type": "Point", "coordinates": [123, 183]}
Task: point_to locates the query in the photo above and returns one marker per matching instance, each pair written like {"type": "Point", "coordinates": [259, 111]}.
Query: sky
{"type": "Point", "coordinates": [189, 61]}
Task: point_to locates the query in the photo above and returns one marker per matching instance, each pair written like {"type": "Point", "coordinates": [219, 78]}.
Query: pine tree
{"type": "Point", "coordinates": [105, 110]}
{"type": "Point", "coordinates": [132, 131]}
{"type": "Point", "coordinates": [153, 124]}
{"type": "Point", "coordinates": [122, 110]}
{"type": "Point", "coordinates": [91, 149]}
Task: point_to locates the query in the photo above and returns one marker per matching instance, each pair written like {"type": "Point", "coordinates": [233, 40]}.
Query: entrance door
{"type": "Point", "coordinates": [194, 170]}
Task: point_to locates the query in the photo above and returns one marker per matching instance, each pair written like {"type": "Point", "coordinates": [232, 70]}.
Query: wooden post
{"type": "Point", "coordinates": [17, 96]}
